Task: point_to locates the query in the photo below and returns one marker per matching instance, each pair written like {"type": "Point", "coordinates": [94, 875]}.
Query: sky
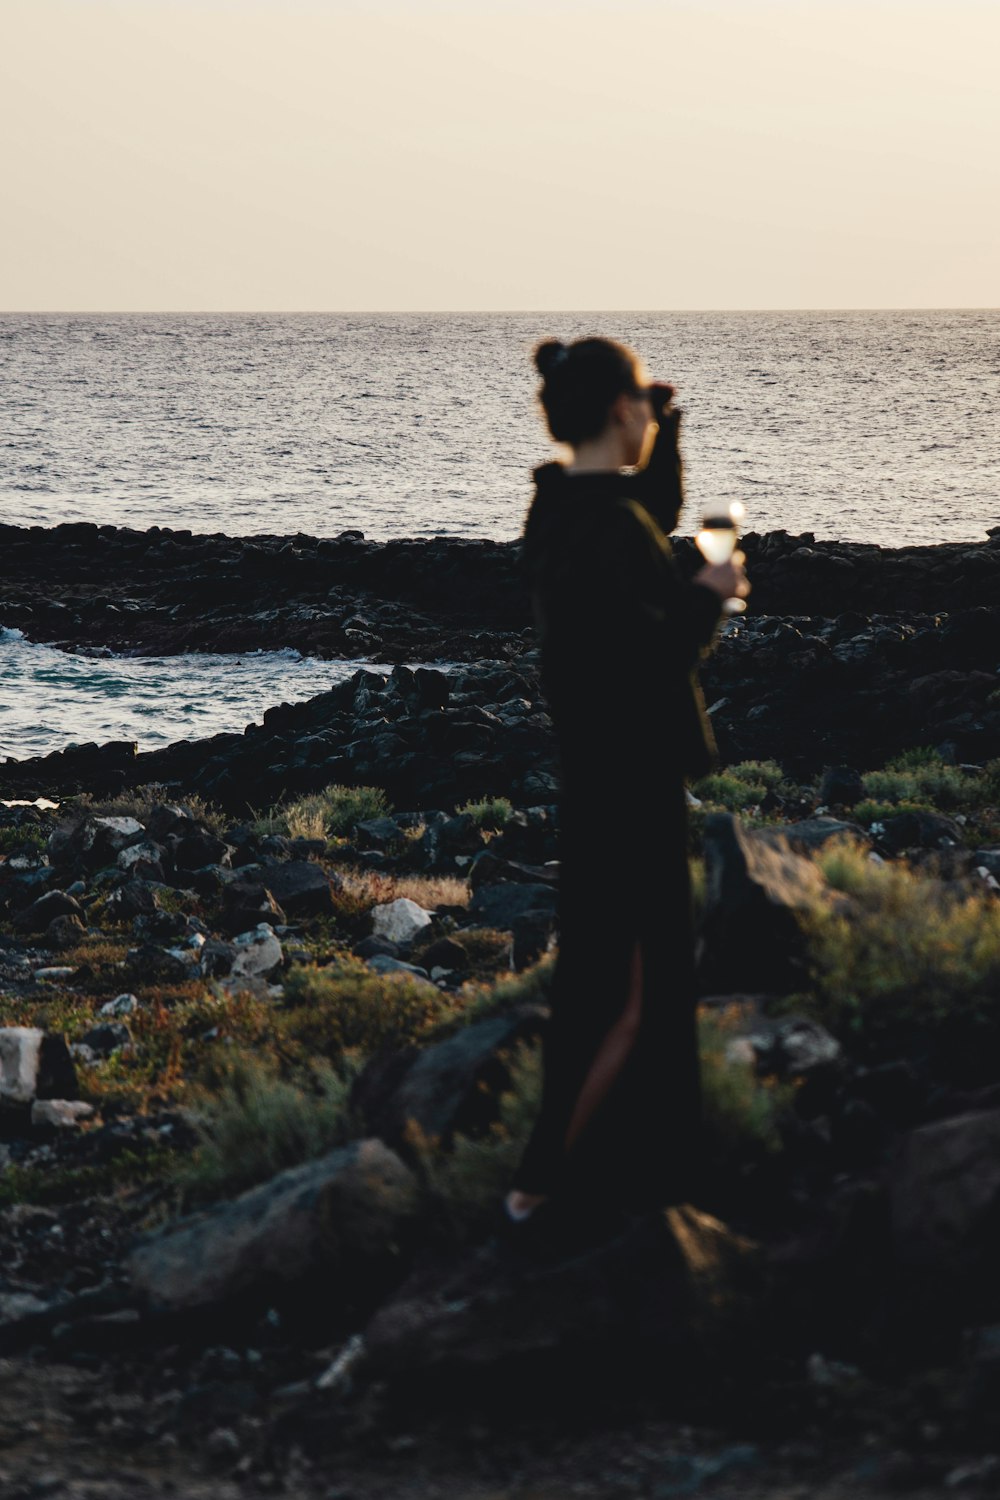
{"type": "Point", "coordinates": [363, 155]}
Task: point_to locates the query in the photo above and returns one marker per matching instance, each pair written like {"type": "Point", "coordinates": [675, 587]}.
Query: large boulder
{"type": "Point", "coordinates": [400, 921]}
{"type": "Point", "coordinates": [34, 1064]}
{"type": "Point", "coordinates": [38, 916]}
{"type": "Point", "coordinates": [246, 903]}
{"type": "Point", "coordinates": [945, 1194]}
{"type": "Point", "coordinates": [756, 891]}
{"type": "Point", "coordinates": [91, 842]}
{"type": "Point", "coordinates": [339, 1219]}
{"type": "Point", "coordinates": [502, 904]}
{"type": "Point", "coordinates": [258, 953]}
{"type": "Point", "coordinates": [300, 887]}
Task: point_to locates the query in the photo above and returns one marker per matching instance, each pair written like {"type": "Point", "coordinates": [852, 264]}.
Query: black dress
{"type": "Point", "coordinates": [621, 634]}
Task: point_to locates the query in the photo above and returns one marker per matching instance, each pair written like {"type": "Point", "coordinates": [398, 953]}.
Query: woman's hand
{"type": "Point", "coordinates": [660, 394]}
{"type": "Point", "coordinates": [727, 579]}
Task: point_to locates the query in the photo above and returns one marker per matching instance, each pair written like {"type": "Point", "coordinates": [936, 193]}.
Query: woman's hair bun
{"type": "Point", "coordinates": [549, 355]}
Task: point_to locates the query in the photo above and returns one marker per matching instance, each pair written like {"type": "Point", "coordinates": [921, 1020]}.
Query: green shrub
{"type": "Point", "coordinates": [24, 836]}
{"type": "Point", "coordinates": [727, 790]}
{"type": "Point", "coordinates": [331, 813]}
{"type": "Point", "coordinates": [905, 955]}
{"type": "Point", "coordinates": [921, 776]}
{"type": "Point", "coordinates": [488, 952]}
{"type": "Point", "coordinates": [916, 756]}
{"type": "Point", "coordinates": [765, 773]}
{"type": "Point", "coordinates": [348, 1008]}
{"type": "Point", "coordinates": [991, 781]}
{"type": "Point", "coordinates": [741, 1112]}
{"type": "Point", "coordinates": [490, 812]}
{"type": "Point", "coordinates": [259, 1123]}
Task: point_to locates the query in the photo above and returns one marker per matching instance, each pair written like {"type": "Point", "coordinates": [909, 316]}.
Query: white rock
{"type": "Point", "coordinates": [27, 862]}
{"type": "Point", "coordinates": [339, 1376]}
{"type": "Point", "coordinates": [20, 1050]}
{"type": "Point", "coordinates": [121, 1005]}
{"type": "Point", "coordinates": [119, 832]}
{"type": "Point", "coordinates": [257, 952]}
{"type": "Point", "coordinates": [63, 1113]}
{"type": "Point", "coordinates": [400, 921]}
{"type": "Point", "coordinates": [14, 1305]}
{"type": "Point", "coordinates": [54, 974]}
{"type": "Point", "coordinates": [131, 856]}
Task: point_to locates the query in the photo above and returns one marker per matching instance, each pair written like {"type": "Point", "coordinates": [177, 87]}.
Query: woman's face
{"type": "Point", "coordinates": [638, 424]}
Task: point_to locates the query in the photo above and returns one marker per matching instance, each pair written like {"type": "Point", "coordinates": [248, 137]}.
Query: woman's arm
{"type": "Point", "coordinates": [659, 486]}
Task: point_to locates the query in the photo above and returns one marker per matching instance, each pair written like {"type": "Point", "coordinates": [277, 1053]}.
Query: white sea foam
{"type": "Point", "coordinates": [51, 698]}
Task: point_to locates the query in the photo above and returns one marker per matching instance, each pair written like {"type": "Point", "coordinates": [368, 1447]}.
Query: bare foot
{"type": "Point", "coordinates": [521, 1205]}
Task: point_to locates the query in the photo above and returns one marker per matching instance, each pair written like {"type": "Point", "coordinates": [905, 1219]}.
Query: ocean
{"type": "Point", "coordinates": [876, 426]}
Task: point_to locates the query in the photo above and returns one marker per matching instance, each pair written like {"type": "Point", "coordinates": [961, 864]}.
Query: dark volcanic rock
{"type": "Point", "coordinates": [247, 902]}
{"type": "Point", "coordinates": [754, 888]}
{"type": "Point", "coordinates": [451, 1086]}
{"type": "Point", "coordinates": [37, 916]}
{"type": "Point", "coordinates": [300, 887]}
{"type": "Point", "coordinates": [332, 1226]}
{"type": "Point", "coordinates": [447, 598]}
{"type": "Point", "coordinates": [502, 904]}
{"type": "Point", "coordinates": [837, 686]}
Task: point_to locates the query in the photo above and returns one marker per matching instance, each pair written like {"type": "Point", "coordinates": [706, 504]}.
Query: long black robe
{"type": "Point", "coordinates": [621, 632]}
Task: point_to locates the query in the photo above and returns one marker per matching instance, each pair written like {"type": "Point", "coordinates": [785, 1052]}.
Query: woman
{"type": "Point", "coordinates": [621, 633]}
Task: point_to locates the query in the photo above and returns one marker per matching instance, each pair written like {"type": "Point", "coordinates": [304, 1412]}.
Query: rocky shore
{"type": "Point", "coordinates": [443, 599]}
{"type": "Point", "coordinates": [850, 654]}
{"type": "Point", "coordinates": [265, 1063]}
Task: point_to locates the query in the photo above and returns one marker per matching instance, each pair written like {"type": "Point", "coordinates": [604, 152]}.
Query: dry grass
{"type": "Point", "coordinates": [331, 813]}
{"type": "Point", "coordinates": [374, 888]}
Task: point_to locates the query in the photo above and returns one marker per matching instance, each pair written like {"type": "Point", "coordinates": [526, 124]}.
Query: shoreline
{"type": "Point", "coordinates": [849, 654]}
{"type": "Point", "coordinates": [167, 592]}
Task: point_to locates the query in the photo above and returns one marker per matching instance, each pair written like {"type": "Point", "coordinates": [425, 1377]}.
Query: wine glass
{"type": "Point", "coordinates": [717, 539]}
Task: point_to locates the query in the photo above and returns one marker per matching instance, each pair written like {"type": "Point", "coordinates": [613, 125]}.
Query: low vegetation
{"type": "Point", "coordinates": [347, 1008]}
{"type": "Point", "coordinates": [907, 960]}
{"type": "Point", "coordinates": [906, 964]}
{"type": "Point", "coordinates": [491, 813]}
{"type": "Point", "coordinates": [332, 813]}
{"type": "Point", "coordinates": [255, 1122]}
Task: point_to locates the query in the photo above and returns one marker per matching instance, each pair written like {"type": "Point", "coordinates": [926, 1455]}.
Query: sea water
{"type": "Point", "coordinates": [877, 426]}
{"type": "Point", "coordinates": [51, 698]}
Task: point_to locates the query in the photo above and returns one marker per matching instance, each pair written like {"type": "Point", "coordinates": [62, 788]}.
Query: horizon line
{"type": "Point", "coordinates": [462, 311]}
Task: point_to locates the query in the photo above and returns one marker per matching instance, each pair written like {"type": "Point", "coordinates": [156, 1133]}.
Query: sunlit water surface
{"type": "Point", "coordinates": [880, 426]}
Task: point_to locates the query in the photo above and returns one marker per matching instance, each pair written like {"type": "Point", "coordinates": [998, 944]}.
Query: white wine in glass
{"type": "Point", "coordinates": [717, 539]}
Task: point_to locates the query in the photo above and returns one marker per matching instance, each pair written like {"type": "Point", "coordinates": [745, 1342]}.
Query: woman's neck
{"type": "Point", "coordinates": [598, 455]}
